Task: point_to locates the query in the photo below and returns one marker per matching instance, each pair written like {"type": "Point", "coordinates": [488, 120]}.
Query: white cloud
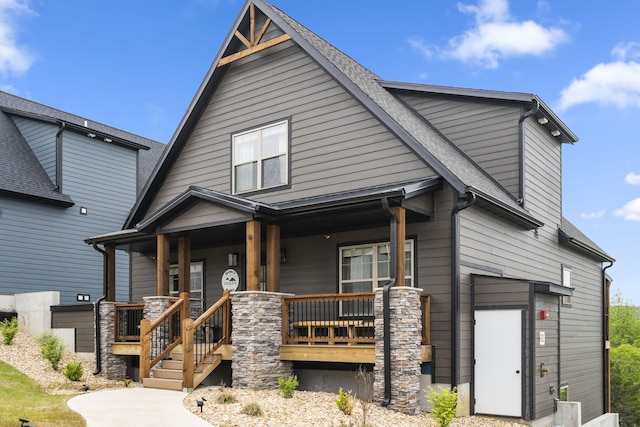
{"type": "Point", "coordinates": [592, 215]}
{"type": "Point", "coordinates": [632, 179]}
{"type": "Point", "coordinates": [630, 211]}
{"type": "Point", "coordinates": [622, 51]}
{"type": "Point", "coordinates": [497, 35]}
{"type": "Point", "coordinates": [14, 60]}
{"type": "Point", "coordinates": [419, 45]}
{"type": "Point", "coordinates": [615, 83]}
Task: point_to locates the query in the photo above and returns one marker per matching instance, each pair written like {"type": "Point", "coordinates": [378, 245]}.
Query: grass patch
{"type": "Point", "coordinates": [21, 397]}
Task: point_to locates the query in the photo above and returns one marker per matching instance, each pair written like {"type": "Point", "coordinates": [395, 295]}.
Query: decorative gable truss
{"type": "Point", "coordinates": [254, 41]}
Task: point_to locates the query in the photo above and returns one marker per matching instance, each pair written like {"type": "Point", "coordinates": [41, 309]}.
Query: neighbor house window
{"type": "Point", "coordinates": [564, 392]}
{"type": "Point", "coordinates": [566, 281]}
{"type": "Point", "coordinates": [365, 267]}
{"type": "Point", "coordinates": [260, 157]}
{"type": "Point", "coordinates": [197, 281]}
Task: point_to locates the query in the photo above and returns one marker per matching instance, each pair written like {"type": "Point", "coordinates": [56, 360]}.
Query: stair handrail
{"type": "Point", "coordinates": [189, 362]}
{"type": "Point", "coordinates": [147, 328]}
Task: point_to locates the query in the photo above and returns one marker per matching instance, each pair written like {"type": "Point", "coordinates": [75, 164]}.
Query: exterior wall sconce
{"type": "Point", "coordinates": [233, 259]}
{"type": "Point", "coordinates": [84, 211]}
{"type": "Point", "coordinates": [283, 255]}
{"type": "Point", "coordinates": [555, 132]}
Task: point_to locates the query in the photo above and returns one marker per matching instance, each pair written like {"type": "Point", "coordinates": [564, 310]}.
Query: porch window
{"type": "Point", "coordinates": [364, 267]}
{"type": "Point", "coordinates": [197, 280]}
{"type": "Point", "coordinates": [260, 157]}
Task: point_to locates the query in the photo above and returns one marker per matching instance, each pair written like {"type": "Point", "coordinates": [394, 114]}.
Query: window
{"type": "Point", "coordinates": [197, 281]}
{"type": "Point", "coordinates": [260, 157]}
{"type": "Point", "coordinates": [564, 392]}
{"type": "Point", "coordinates": [364, 267]}
{"type": "Point", "coordinates": [566, 281]}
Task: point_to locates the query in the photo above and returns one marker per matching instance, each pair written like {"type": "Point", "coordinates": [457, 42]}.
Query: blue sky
{"type": "Point", "coordinates": [136, 65]}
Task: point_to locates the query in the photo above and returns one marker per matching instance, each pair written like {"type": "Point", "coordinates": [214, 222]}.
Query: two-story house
{"type": "Point", "coordinates": [412, 229]}
{"type": "Point", "coordinates": [63, 177]}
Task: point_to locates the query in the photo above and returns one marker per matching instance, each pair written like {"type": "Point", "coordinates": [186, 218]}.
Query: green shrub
{"type": "Point", "coordinates": [445, 403]}
{"type": "Point", "coordinates": [253, 409]}
{"type": "Point", "coordinates": [9, 329]}
{"type": "Point", "coordinates": [73, 371]}
{"type": "Point", "coordinates": [225, 397]}
{"type": "Point", "coordinates": [344, 401]}
{"type": "Point", "coordinates": [51, 348]}
{"type": "Point", "coordinates": [625, 384]}
{"type": "Point", "coordinates": [288, 386]}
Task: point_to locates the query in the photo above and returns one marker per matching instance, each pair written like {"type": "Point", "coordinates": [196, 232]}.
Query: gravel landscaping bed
{"type": "Point", "coordinates": [305, 408]}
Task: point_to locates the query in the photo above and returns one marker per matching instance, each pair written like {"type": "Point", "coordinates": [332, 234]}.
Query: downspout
{"type": "Point", "coordinates": [58, 187]}
{"type": "Point", "coordinates": [455, 288]}
{"type": "Point", "coordinates": [606, 328]}
{"type": "Point", "coordinates": [386, 312]}
{"type": "Point", "coordinates": [527, 114]}
{"type": "Point", "coordinates": [96, 307]}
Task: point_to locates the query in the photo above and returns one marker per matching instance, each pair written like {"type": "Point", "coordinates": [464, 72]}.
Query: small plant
{"type": "Point", "coordinates": [445, 404]}
{"type": "Point", "coordinates": [288, 386]}
{"type": "Point", "coordinates": [365, 380]}
{"type": "Point", "coordinates": [126, 381]}
{"type": "Point", "coordinates": [225, 397]}
{"type": "Point", "coordinates": [73, 371]}
{"type": "Point", "coordinates": [253, 409]}
{"type": "Point", "coordinates": [344, 401]}
{"type": "Point", "coordinates": [51, 348]}
{"type": "Point", "coordinates": [9, 329]}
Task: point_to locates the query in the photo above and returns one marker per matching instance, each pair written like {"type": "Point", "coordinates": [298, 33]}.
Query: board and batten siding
{"type": "Point", "coordinates": [336, 144]}
{"type": "Point", "coordinates": [41, 137]}
{"type": "Point", "coordinates": [43, 246]}
{"type": "Point", "coordinates": [487, 132]}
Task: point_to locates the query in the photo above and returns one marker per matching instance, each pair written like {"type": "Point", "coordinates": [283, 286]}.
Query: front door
{"type": "Point", "coordinates": [498, 362]}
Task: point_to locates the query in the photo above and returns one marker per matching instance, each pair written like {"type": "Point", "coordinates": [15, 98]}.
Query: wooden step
{"type": "Point", "coordinates": [172, 364]}
{"type": "Point", "coordinates": [174, 374]}
{"type": "Point", "coordinates": [162, 383]}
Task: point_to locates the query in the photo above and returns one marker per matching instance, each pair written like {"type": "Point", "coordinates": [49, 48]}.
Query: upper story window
{"type": "Point", "coordinates": [566, 281]}
{"type": "Point", "coordinates": [260, 157]}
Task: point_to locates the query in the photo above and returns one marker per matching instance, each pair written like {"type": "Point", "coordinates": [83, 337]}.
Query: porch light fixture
{"type": "Point", "coordinates": [555, 132]}
{"type": "Point", "coordinates": [543, 120]}
{"type": "Point", "coordinates": [233, 259]}
{"type": "Point", "coordinates": [283, 255]}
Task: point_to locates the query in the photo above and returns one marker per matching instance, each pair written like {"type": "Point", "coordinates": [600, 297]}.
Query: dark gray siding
{"type": "Point", "coordinates": [486, 132]}
{"type": "Point", "coordinates": [336, 144]}
{"type": "Point", "coordinates": [82, 322]}
{"type": "Point", "coordinates": [42, 247]}
{"type": "Point", "coordinates": [547, 354]}
{"type": "Point", "coordinates": [41, 137]}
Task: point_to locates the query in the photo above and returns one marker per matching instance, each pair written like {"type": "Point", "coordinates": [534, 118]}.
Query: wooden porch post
{"type": "Point", "coordinates": [184, 272]}
{"type": "Point", "coordinates": [273, 258]}
{"type": "Point", "coordinates": [253, 255]}
{"type": "Point", "coordinates": [162, 264]}
{"type": "Point", "coordinates": [111, 272]}
{"type": "Point", "coordinates": [400, 258]}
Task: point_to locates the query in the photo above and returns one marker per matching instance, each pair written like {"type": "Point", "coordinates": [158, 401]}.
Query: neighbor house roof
{"type": "Point", "coordinates": [462, 173]}
{"type": "Point", "coordinates": [22, 175]}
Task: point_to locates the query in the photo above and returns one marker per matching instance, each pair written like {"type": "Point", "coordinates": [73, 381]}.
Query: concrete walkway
{"type": "Point", "coordinates": [135, 407]}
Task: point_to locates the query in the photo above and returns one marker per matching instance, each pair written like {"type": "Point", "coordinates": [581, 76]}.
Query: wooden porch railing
{"type": "Point", "coordinates": [159, 337]}
{"type": "Point", "coordinates": [128, 317]}
{"type": "Point", "coordinates": [202, 337]}
{"type": "Point", "coordinates": [338, 319]}
{"type": "Point", "coordinates": [328, 319]}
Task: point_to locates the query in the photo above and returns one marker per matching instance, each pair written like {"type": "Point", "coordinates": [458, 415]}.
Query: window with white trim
{"type": "Point", "coordinates": [566, 281]}
{"type": "Point", "coordinates": [365, 267]}
{"type": "Point", "coordinates": [197, 280]}
{"type": "Point", "coordinates": [260, 157]}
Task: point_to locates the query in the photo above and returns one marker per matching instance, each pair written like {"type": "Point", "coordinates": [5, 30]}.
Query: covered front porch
{"type": "Point", "coordinates": [320, 320]}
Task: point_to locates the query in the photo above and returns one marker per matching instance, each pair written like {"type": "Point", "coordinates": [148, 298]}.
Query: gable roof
{"type": "Point", "coordinates": [432, 147]}
{"type": "Point", "coordinates": [571, 236]}
{"type": "Point", "coordinates": [22, 175]}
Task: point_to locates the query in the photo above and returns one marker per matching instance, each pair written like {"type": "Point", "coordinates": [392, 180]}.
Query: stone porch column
{"type": "Point", "coordinates": [406, 331]}
{"type": "Point", "coordinates": [257, 336]}
{"type": "Point", "coordinates": [112, 366]}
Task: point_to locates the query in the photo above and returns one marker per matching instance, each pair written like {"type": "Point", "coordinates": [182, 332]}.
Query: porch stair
{"type": "Point", "coordinates": [169, 376]}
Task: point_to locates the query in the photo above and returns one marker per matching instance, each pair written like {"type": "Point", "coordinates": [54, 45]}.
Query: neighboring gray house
{"type": "Point", "coordinates": [63, 177]}
{"type": "Point", "coordinates": [413, 229]}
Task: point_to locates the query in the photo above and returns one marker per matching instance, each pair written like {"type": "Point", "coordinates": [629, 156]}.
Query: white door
{"type": "Point", "coordinates": [498, 362]}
